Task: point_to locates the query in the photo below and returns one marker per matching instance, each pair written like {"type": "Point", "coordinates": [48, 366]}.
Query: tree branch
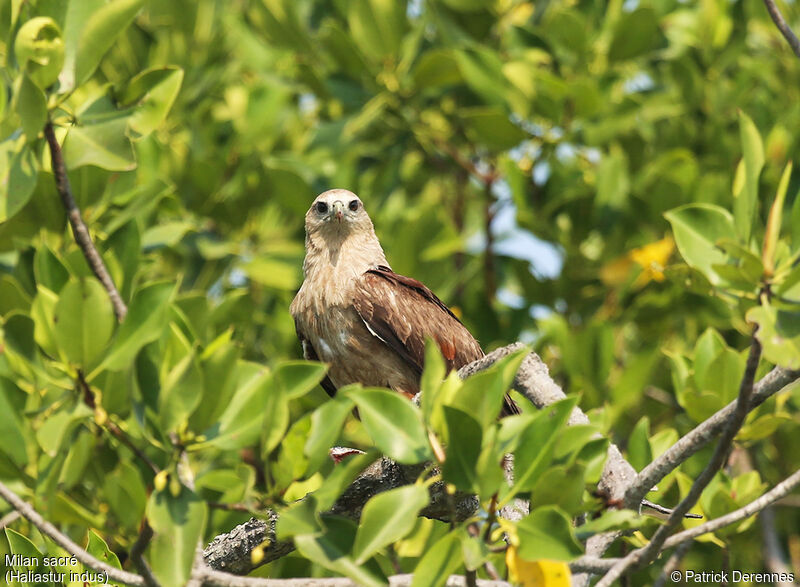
{"type": "Point", "coordinates": [701, 435]}
{"type": "Point", "coordinates": [79, 229]}
{"type": "Point", "coordinates": [779, 21]}
{"type": "Point", "coordinates": [732, 426]}
{"type": "Point", "coordinates": [66, 543]}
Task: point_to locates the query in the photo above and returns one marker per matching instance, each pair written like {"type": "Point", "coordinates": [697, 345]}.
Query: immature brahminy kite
{"type": "Point", "coordinates": [365, 320]}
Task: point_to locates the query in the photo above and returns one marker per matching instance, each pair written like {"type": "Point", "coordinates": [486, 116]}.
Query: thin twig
{"type": "Point", "coordinates": [648, 553]}
{"type": "Point", "coordinates": [79, 229]}
{"type": "Point", "coordinates": [66, 543]}
{"type": "Point", "coordinates": [9, 518]}
{"type": "Point", "coordinates": [598, 565]}
{"type": "Point", "coordinates": [137, 554]}
{"type": "Point", "coordinates": [779, 21]}
{"type": "Point", "coordinates": [701, 435]}
{"type": "Point", "coordinates": [672, 564]}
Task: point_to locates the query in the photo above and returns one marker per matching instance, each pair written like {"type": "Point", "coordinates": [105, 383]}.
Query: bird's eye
{"type": "Point", "coordinates": [322, 207]}
{"type": "Point", "coordinates": [353, 205]}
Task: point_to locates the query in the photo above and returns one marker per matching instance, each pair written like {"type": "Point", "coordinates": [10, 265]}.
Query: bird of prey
{"type": "Point", "coordinates": [363, 319]}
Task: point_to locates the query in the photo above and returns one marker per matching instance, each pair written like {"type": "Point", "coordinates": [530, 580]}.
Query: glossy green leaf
{"type": "Point", "coordinates": [31, 107]}
{"type": "Point", "coordinates": [98, 548]}
{"type": "Point", "coordinates": [297, 378]}
{"type": "Point", "coordinates": [144, 323]}
{"type": "Point", "coordinates": [48, 269]}
{"type": "Point", "coordinates": [537, 442]}
{"type": "Point", "coordinates": [697, 228]}
{"type": "Point", "coordinates": [440, 561]}
{"type": "Point", "coordinates": [464, 436]}
{"type": "Point", "coordinates": [84, 320]}
{"type": "Point", "coordinates": [547, 534]}
{"type": "Point", "coordinates": [432, 376]}
{"type": "Point", "coordinates": [99, 34]}
{"type": "Point", "coordinates": [386, 518]}
{"type": "Point", "coordinates": [393, 423]}
{"type": "Point", "coordinates": [779, 334]}
{"type": "Point", "coordinates": [13, 444]}
{"type": "Point", "coordinates": [331, 549]}
{"type": "Point", "coordinates": [158, 98]}
{"type": "Point", "coordinates": [104, 144]}
{"type": "Point", "coordinates": [276, 418]}
{"type": "Point", "coordinates": [326, 426]}
{"type": "Point", "coordinates": [745, 199]}
{"type": "Point", "coordinates": [774, 220]}
{"type": "Point", "coordinates": [18, 176]}
{"type": "Point", "coordinates": [57, 429]}
{"type": "Point", "coordinates": [21, 545]}
{"type": "Point", "coordinates": [178, 524]}
{"type": "Point", "coordinates": [242, 421]}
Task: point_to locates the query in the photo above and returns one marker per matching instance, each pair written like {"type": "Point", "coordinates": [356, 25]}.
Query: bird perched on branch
{"type": "Point", "coordinates": [368, 322]}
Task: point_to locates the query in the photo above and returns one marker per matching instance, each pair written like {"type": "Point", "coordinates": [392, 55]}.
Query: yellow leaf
{"type": "Point", "coordinates": [541, 573]}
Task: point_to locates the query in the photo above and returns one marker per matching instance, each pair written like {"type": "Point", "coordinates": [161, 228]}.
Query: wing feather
{"type": "Point", "coordinates": [402, 312]}
{"type": "Point", "coordinates": [310, 354]}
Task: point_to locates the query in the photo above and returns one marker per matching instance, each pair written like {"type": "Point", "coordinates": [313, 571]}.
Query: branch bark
{"type": "Point", "coordinates": [704, 433]}
{"type": "Point", "coordinates": [779, 21]}
{"type": "Point", "coordinates": [65, 542]}
{"type": "Point", "coordinates": [79, 229]}
{"type": "Point", "coordinates": [732, 426]}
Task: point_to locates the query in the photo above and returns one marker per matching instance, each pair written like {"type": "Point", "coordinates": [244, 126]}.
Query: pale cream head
{"type": "Point", "coordinates": [337, 213]}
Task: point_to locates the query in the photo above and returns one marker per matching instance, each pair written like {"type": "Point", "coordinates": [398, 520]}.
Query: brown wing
{"type": "Point", "coordinates": [402, 312]}
{"type": "Point", "coordinates": [310, 354]}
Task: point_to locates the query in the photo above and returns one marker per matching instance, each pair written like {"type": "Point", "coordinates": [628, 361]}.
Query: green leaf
{"type": "Point", "coordinates": [377, 26]}
{"type": "Point", "coordinates": [697, 228]}
{"type": "Point", "coordinates": [441, 560]}
{"type": "Point", "coordinates": [98, 548]}
{"type": "Point", "coordinates": [613, 180]}
{"type": "Point", "coordinates": [19, 544]}
{"type": "Point", "coordinates": [179, 391]}
{"type": "Point", "coordinates": [158, 95]}
{"type": "Point", "coordinates": [635, 34]}
{"type": "Point", "coordinates": [547, 534]}
{"type": "Point", "coordinates": [48, 269]}
{"type": "Point", "coordinates": [144, 323]}
{"type": "Point", "coordinates": [779, 334]}
{"type": "Point", "coordinates": [276, 418]}
{"type": "Point", "coordinates": [18, 175]}
{"type": "Point", "coordinates": [331, 549]}
{"type": "Point", "coordinates": [482, 394]}
{"type": "Point", "coordinates": [610, 520]}
{"type": "Point", "coordinates": [104, 144]}
{"type": "Point", "coordinates": [241, 422]}
{"type": "Point", "coordinates": [13, 444]}
{"type": "Point", "coordinates": [386, 518]}
{"type": "Point", "coordinates": [745, 199]}
{"type": "Point", "coordinates": [58, 428]}
{"type": "Point", "coordinates": [775, 220]}
{"type": "Point", "coordinates": [84, 320]}
{"type": "Point", "coordinates": [31, 106]}
{"type": "Point", "coordinates": [126, 494]}
{"type": "Point", "coordinates": [491, 126]}
{"type": "Point", "coordinates": [536, 444]}
{"type": "Point", "coordinates": [326, 426]}
{"type": "Point", "coordinates": [342, 476]}
{"type": "Point", "coordinates": [639, 454]}
{"type": "Point", "coordinates": [39, 49]}
{"type": "Point", "coordinates": [464, 435]}
{"type": "Point", "coordinates": [393, 423]}
{"type": "Point", "coordinates": [432, 377]}
{"type": "Point", "coordinates": [99, 34]}
{"type": "Point", "coordinates": [297, 378]}
{"type": "Point", "coordinates": [178, 524]}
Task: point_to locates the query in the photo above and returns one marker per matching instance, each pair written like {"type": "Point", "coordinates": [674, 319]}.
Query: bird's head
{"type": "Point", "coordinates": [337, 213]}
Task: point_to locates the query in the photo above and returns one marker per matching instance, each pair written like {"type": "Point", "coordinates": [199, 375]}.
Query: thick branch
{"type": "Point", "coordinates": [692, 442]}
{"type": "Point", "coordinates": [231, 551]}
{"type": "Point", "coordinates": [64, 542]}
{"type": "Point", "coordinates": [779, 21]}
{"type": "Point", "coordinates": [79, 229]}
{"type": "Point", "coordinates": [782, 489]}
{"type": "Point", "coordinates": [732, 427]}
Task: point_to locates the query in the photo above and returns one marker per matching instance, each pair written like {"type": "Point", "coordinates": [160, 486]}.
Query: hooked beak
{"type": "Point", "coordinates": [337, 210]}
